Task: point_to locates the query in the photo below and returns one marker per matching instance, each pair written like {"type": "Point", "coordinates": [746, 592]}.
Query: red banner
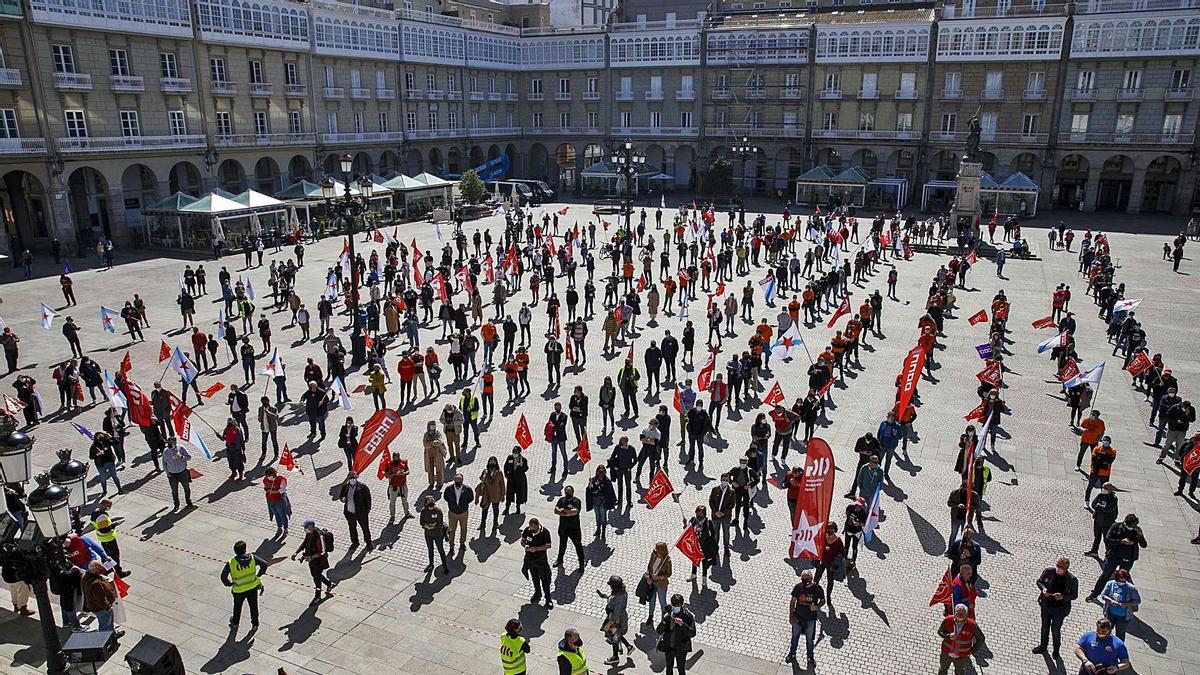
{"type": "Point", "coordinates": [288, 461]}
{"type": "Point", "coordinates": [990, 374]}
{"type": "Point", "coordinates": [976, 414]}
{"type": "Point", "coordinates": [816, 497]}
{"type": "Point", "coordinates": [910, 374]}
{"type": "Point", "coordinates": [139, 405]}
{"type": "Point", "coordinates": [1001, 311]}
{"type": "Point", "coordinates": [439, 287]}
{"type": "Point", "coordinates": [704, 377]}
{"type": "Point", "coordinates": [977, 317]}
{"type": "Point", "coordinates": [1191, 461]}
{"type": "Point", "coordinates": [1069, 370]}
{"type": "Point", "coordinates": [689, 545]}
{"type": "Point", "coordinates": [842, 310]}
{"type": "Point", "coordinates": [212, 390]}
{"type": "Point", "coordinates": [126, 365]}
{"type": "Point", "coordinates": [775, 395]}
{"type": "Point", "coordinates": [1139, 364]}
{"type": "Point", "coordinates": [164, 352]}
{"type": "Point", "coordinates": [660, 488]}
{"type": "Point", "coordinates": [584, 450]}
{"type": "Point", "coordinates": [1044, 322]}
{"type": "Point", "coordinates": [943, 594]}
{"type": "Point", "coordinates": [523, 437]}
{"type": "Point", "coordinates": [677, 401]}
{"type": "Point", "coordinates": [377, 434]}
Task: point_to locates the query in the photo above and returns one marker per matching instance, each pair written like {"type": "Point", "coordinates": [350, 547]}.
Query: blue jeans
{"type": "Point", "coordinates": [278, 512]}
{"type": "Point", "coordinates": [104, 619]}
{"type": "Point", "coordinates": [106, 471]}
{"type": "Point", "coordinates": [809, 628]}
{"type": "Point", "coordinates": [557, 448]}
{"type": "Point", "coordinates": [601, 516]}
{"type": "Point", "coordinates": [888, 455]}
{"type": "Point", "coordinates": [661, 593]}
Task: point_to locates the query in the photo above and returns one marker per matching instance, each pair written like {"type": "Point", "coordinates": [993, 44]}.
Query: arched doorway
{"type": "Point", "coordinates": [989, 162]}
{"type": "Point", "coordinates": [1116, 182]}
{"type": "Point", "coordinates": [831, 158]}
{"type": "Point", "coordinates": [89, 197]}
{"type": "Point", "coordinates": [186, 178]}
{"type": "Point", "coordinates": [787, 165]}
{"type": "Point", "coordinates": [139, 189]}
{"type": "Point", "coordinates": [1025, 162]}
{"type": "Point", "coordinates": [23, 210]}
{"type": "Point", "coordinates": [389, 163]}
{"type": "Point", "coordinates": [944, 165]}
{"type": "Point", "coordinates": [454, 162]}
{"type": "Point", "coordinates": [538, 161]}
{"type": "Point", "coordinates": [1070, 183]}
{"type": "Point", "coordinates": [435, 162]}
{"type": "Point", "coordinates": [685, 166]}
{"type": "Point", "coordinates": [1161, 184]}
{"type": "Point", "coordinates": [266, 176]}
{"type": "Point", "coordinates": [332, 166]}
{"type": "Point", "coordinates": [866, 160]}
{"type": "Point", "coordinates": [299, 169]}
{"type": "Point", "coordinates": [493, 152]}
{"type": "Point", "coordinates": [413, 163]}
{"type": "Point", "coordinates": [514, 161]}
{"type": "Point", "coordinates": [564, 160]}
{"type": "Point", "coordinates": [900, 164]}
{"type": "Point", "coordinates": [476, 157]}
{"type": "Point", "coordinates": [362, 166]}
{"type": "Point", "coordinates": [231, 177]}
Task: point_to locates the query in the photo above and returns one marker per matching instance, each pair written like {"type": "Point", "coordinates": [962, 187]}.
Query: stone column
{"type": "Point", "coordinates": [1136, 189]}
{"type": "Point", "coordinates": [1091, 191]}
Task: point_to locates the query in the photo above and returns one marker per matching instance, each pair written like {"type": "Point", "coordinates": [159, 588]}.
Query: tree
{"type": "Point", "coordinates": [471, 187]}
{"type": "Point", "coordinates": [718, 178]}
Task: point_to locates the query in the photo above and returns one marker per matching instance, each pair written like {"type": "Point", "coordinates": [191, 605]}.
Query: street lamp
{"type": "Point", "coordinates": [744, 151]}
{"type": "Point", "coordinates": [16, 452]}
{"type": "Point", "coordinates": [350, 208]}
{"type": "Point", "coordinates": [626, 162]}
{"type": "Point", "coordinates": [72, 475]}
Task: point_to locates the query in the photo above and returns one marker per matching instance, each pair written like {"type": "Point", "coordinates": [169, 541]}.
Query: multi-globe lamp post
{"type": "Point", "coordinates": [350, 207]}
{"type": "Point", "coordinates": [626, 161]}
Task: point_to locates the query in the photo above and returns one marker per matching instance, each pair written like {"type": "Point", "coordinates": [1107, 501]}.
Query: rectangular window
{"type": "Point", "coordinates": [384, 126]}
{"type": "Point", "coordinates": [76, 123]}
{"type": "Point", "coordinates": [329, 76]}
{"type": "Point", "coordinates": [626, 84]}
{"type": "Point", "coordinates": [686, 83]}
{"type": "Point", "coordinates": [537, 120]}
{"type": "Point", "coordinates": [866, 121]}
{"type": "Point", "coordinates": [987, 124]}
{"type": "Point", "coordinates": [295, 126]}
{"type": "Point", "coordinates": [1086, 81]}
{"type": "Point", "coordinates": [833, 81]}
{"type": "Point", "coordinates": [953, 81]}
{"type": "Point", "coordinates": [1125, 123]}
{"type": "Point", "coordinates": [626, 118]}
{"type": "Point", "coordinates": [474, 83]}
{"type": "Point", "coordinates": [721, 119]}
{"type": "Point", "coordinates": [685, 119]}
{"type": "Point", "coordinates": [430, 81]}
{"type": "Point", "coordinates": [994, 81]}
{"type": "Point", "coordinates": [1172, 123]}
{"type": "Point", "coordinates": [564, 86]}
{"type": "Point", "coordinates": [722, 81]}
{"type": "Point", "coordinates": [331, 124]}
{"type": "Point", "coordinates": [492, 120]}
{"type": "Point", "coordinates": [409, 82]}
{"type": "Point", "coordinates": [791, 80]}
{"type": "Point", "coordinates": [256, 72]}
{"type": "Point", "coordinates": [1035, 81]}
{"type": "Point", "coordinates": [261, 127]}
{"type": "Point", "coordinates": [1029, 123]}
{"type": "Point", "coordinates": [655, 119]}
{"type": "Point", "coordinates": [3, 63]}
{"type": "Point", "coordinates": [564, 119]}
{"type": "Point", "coordinates": [1181, 78]}
{"type": "Point", "coordinates": [177, 122]}
{"type": "Point", "coordinates": [410, 121]}
{"type": "Point", "coordinates": [451, 83]}
{"type": "Point", "coordinates": [451, 119]}
{"type": "Point", "coordinates": [593, 85]}
{"type": "Point", "coordinates": [216, 68]}
{"type": "Point", "coordinates": [492, 85]}
{"type": "Point", "coordinates": [908, 82]}
{"type": "Point", "coordinates": [656, 84]}
{"type": "Point", "coordinates": [535, 85]}
{"type": "Point", "coordinates": [432, 119]}
{"type": "Point", "coordinates": [1132, 80]}
{"type": "Point", "coordinates": [359, 127]}
{"type": "Point", "coordinates": [289, 73]}
{"type": "Point", "coordinates": [949, 123]}
{"type": "Point", "coordinates": [904, 121]}
{"type": "Point", "coordinates": [355, 78]}
{"type": "Point", "coordinates": [870, 83]}
{"type": "Point", "coordinates": [64, 59]}
{"type": "Point", "coordinates": [593, 120]}
{"type": "Point", "coordinates": [118, 62]}
{"type": "Point", "coordinates": [508, 85]}
{"type": "Point", "coordinates": [8, 123]}
{"type": "Point", "coordinates": [224, 124]}
{"type": "Point", "coordinates": [168, 65]}
{"type": "Point", "coordinates": [830, 121]}
{"type": "Point", "coordinates": [130, 127]}
{"type": "Point", "coordinates": [1079, 123]}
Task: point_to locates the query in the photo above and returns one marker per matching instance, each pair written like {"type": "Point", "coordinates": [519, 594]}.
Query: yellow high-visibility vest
{"type": "Point", "coordinates": [577, 659]}
{"type": "Point", "coordinates": [244, 578]}
{"type": "Point", "coordinates": [512, 654]}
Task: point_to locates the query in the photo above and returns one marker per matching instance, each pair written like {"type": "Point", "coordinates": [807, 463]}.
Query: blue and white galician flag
{"type": "Point", "coordinates": [220, 324]}
{"type": "Point", "coordinates": [47, 316]}
{"type": "Point", "coordinates": [249, 290]}
{"type": "Point", "coordinates": [872, 523]}
{"type": "Point", "coordinates": [1126, 305]}
{"type": "Point", "coordinates": [1091, 376]}
{"type": "Point", "coordinates": [116, 398]}
{"type": "Point", "coordinates": [274, 365]}
{"type": "Point", "coordinates": [1059, 340]}
{"type": "Point", "coordinates": [339, 389]}
{"type": "Point", "coordinates": [769, 285]}
{"type": "Point", "coordinates": [108, 319]}
{"type": "Point", "coordinates": [181, 365]}
{"type": "Point", "coordinates": [789, 341]}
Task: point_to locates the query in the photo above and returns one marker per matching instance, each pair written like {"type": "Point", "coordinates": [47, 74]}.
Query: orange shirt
{"type": "Point", "coordinates": [764, 332]}
{"type": "Point", "coordinates": [1103, 470]}
{"type": "Point", "coordinates": [1092, 431]}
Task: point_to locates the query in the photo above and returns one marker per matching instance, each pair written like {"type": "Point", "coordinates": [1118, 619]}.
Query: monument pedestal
{"type": "Point", "coordinates": [966, 202]}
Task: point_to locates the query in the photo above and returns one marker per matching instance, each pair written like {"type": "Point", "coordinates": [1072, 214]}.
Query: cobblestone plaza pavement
{"type": "Point", "coordinates": [389, 615]}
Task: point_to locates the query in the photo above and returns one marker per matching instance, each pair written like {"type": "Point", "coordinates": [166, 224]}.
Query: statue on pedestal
{"type": "Point", "coordinates": [974, 129]}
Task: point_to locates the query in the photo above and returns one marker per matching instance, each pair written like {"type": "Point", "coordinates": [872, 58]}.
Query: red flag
{"type": "Point", "coordinates": [378, 237]}
{"type": "Point", "coordinates": [384, 463]}
{"type": "Point", "coordinates": [570, 353]}
{"type": "Point", "coordinates": [976, 414]}
{"type": "Point", "coordinates": [416, 251]}
{"type": "Point", "coordinates": [126, 365]}
{"type": "Point", "coordinates": [1191, 461]}
{"type": "Point", "coordinates": [12, 406]}
{"type": "Point", "coordinates": [194, 473]}
{"type": "Point", "coordinates": [629, 356]}
{"type": "Point", "coordinates": [563, 212]}
{"type": "Point", "coordinates": [164, 352]}
{"type": "Point", "coordinates": [704, 377]}
{"type": "Point", "coordinates": [1139, 364]}
{"type": "Point", "coordinates": [990, 374]}
{"type": "Point", "coordinates": [1002, 312]}
{"type": "Point", "coordinates": [584, 450]}
{"type": "Point", "coordinates": [775, 395]}
{"type": "Point", "coordinates": [660, 488]}
{"type": "Point", "coordinates": [288, 461]}
{"type": "Point", "coordinates": [816, 498]}
{"type": "Point", "coordinates": [368, 343]}
{"type": "Point", "coordinates": [943, 594]}
{"type": "Point", "coordinates": [641, 284]}
{"type": "Point", "coordinates": [825, 389]}
{"type": "Point", "coordinates": [720, 289]}
{"type": "Point", "coordinates": [122, 586]}
{"type": "Point", "coordinates": [523, 437]}
{"type": "Point", "coordinates": [489, 269]}
{"type": "Point", "coordinates": [678, 402]}
{"type": "Point", "coordinates": [689, 545]}
{"type": "Point", "coordinates": [399, 304]}
{"type": "Point", "coordinates": [139, 405]}
{"type": "Point", "coordinates": [439, 287]}
{"type": "Point", "coordinates": [971, 257]}
{"type": "Point", "coordinates": [78, 390]}
{"type": "Point", "coordinates": [977, 317]}
{"type": "Point", "coordinates": [842, 310]}
{"type": "Point", "coordinates": [359, 389]}
{"type": "Point", "coordinates": [910, 374]}
{"type": "Point", "coordinates": [377, 434]}
{"type": "Point", "coordinates": [907, 250]}
{"type": "Point", "coordinates": [212, 391]}
{"type": "Point", "coordinates": [1044, 322]}
{"type": "Point", "coordinates": [1069, 370]}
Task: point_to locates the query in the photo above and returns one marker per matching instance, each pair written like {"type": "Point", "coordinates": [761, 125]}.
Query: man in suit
{"type": "Point", "coordinates": [721, 502]}
{"type": "Point", "coordinates": [458, 498]}
{"type": "Point", "coordinates": [356, 506]}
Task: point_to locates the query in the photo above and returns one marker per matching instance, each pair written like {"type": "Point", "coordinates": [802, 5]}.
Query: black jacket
{"type": "Point", "coordinates": [1070, 592]}
{"type": "Point", "coordinates": [362, 499]}
{"type": "Point", "coordinates": [675, 638]}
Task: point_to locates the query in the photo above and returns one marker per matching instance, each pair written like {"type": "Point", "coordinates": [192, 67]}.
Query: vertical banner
{"type": "Point", "coordinates": [910, 374]}
{"type": "Point", "coordinates": [816, 498]}
{"type": "Point", "coordinates": [377, 434]}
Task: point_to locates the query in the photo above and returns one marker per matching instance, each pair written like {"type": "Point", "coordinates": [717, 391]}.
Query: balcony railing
{"type": "Point", "coordinates": [477, 96]}
{"type": "Point", "coordinates": [624, 96]}
{"type": "Point", "coordinates": [10, 77]}
{"type": "Point", "coordinates": [453, 95]}
{"type": "Point", "coordinates": [1083, 94]}
{"type": "Point", "coordinates": [791, 94]}
{"type": "Point", "coordinates": [434, 94]}
{"type": "Point", "coordinates": [1035, 94]}
{"type": "Point", "coordinates": [721, 95]}
{"type": "Point", "coordinates": [1117, 138]}
{"type": "Point", "coordinates": [176, 85]}
{"type": "Point", "coordinates": [868, 94]}
{"type": "Point", "coordinates": [73, 81]}
{"type": "Point", "coordinates": [758, 130]}
{"type": "Point", "coordinates": [123, 143]}
{"type": "Point", "coordinates": [497, 131]}
{"type": "Point", "coordinates": [363, 137]}
{"type": "Point", "coordinates": [224, 88]}
{"type": "Point", "coordinates": [1018, 138]}
{"type": "Point", "coordinates": [245, 140]}
{"type": "Point", "coordinates": [360, 93]}
{"type": "Point", "coordinates": [128, 83]}
{"type": "Point", "coordinates": [591, 96]}
{"type": "Point", "coordinates": [535, 96]}
{"type": "Point", "coordinates": [261, 89]}
{"type": "Point", "coordinates": [562, 96]}
{"type": "Point", "coordinates": [1130, 93]}
{"type": "Point", "coordinates": [495, 96]}
{"type": "Point", "coordinates": [655, 131]}
{"type": "Point", "coordinates": [685, 94]}
{"type": "Point", "coordinates": [865, 134]}
{"type": "Point", "coordinates": [511, 97]}
{"type": "Point", "coordinates": [831, 94]}
{"type": "Point", "coordinates": [906, 94]}
{"type": "Point", "coordinates": [756, 94]}
{"type": "Point", "coordinates": [951, 94]}
{"type": "Point", "coordinates": [295, 90]}
{"type": "Point", "coordinates": [22, 146]}
{"type": "Point", "coordinates": [385, 94]}
{"type": "Point", "coordinates": [333, 92]}
{"type": "Point", "coordinates": [425, 134]}
{"type": "Point", "coordinates": [947, 135]}
{"type": "Point", "coordinates": [991, 94]}
{"type": "Point", "coordinates": [654, 95]}
{"type": "Point", "coordinates": [1178, 94]}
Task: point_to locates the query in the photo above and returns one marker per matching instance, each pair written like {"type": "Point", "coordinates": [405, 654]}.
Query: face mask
{"type": "Point", "coordinates": [1106, 443]}
{"type": "Point", "coordinates": [724, 483]}
{"type": "Point", "coordinates": [675, 610]}
{"type": "Point", "coordinates": [353, 481]}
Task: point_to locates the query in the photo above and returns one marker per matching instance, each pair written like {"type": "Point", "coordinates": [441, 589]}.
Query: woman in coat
{"type": "Point", "coordinates": [652, 300]}
{"type": "Point", "coordinates": [599, 496]}
{"type": "Point", "coordinates": [114, 425]}
{"type": "Point", "coordinates": [616, 618]}
{"type": "Point", "coordinates": [235, 450]}
{"type": "Point", "coordinates": [103, 455]}
{"type": "Point", "coordinates": [517, 485]}
{"type": "Point", "coordinates": [490, 492]}
{"type": "Point", "coordinates": [377, 386]}
{"type": "Point", "coordinates": [348, 440]}
{"type": "Point", "coordinates": [676, 630]}
{"type": "Point", "coordinates": [706, 534]}
{"type": "Point", "coordinates": [658, 575]}
{"type": "Point", "coordinates": [607, 403]}
{"type": "Point", "coordinates": [435, 455]}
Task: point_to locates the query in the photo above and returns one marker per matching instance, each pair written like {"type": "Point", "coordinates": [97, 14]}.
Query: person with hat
{"type": "Point", "coordinates": [513, 648]}
{"type": "Point", "coordinates": [571, 659]}
{"type": "Point", "coordinates": [243, 576]}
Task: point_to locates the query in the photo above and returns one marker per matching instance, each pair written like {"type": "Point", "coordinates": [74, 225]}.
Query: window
{"type": "Point", "coordinates": [949, 123]}
{"type": "Point", "coordinates": [492, 119]}
{"type": "Point", "coordinates": [593, 85]}
{"type": "Point", "coordinates": [328, 76]}
{"type": "Point", "coordinates": [685, 119]}
{"type": "Point", "coordinates": [261, 127]}
{"type": "Point", "coordinates": [626, 118]}
{"type": "Point", "coordinates": [410, 121]}
{"type": "Point", "coordinates": [830, 121]}
{"type": "Point", "coordinates": [8, 123]}
{"type": "Point", "coordinates": [491, 85]}
{"type": "Point", "coordinates": [76, 123]}
{"type": "Point", "coordinates": [1079, 123]}
{"type": "Point", "coordinates": [1172, 123]}
{"type": "Point", "coordinates": [118, 62]}
{"type": "Point", "coordinates": [564, 119]}
{"type": "Point", "coordinates": [833, 82]}
{"type": "Point", "coordinates": [791, 80]}
{"type": "Point", "coordinates": [432, 119]}
{"type": "Point", "coordinates": [953, 82]}
{"type": "Point", "coordinates": [1086, 81]}
{"type": "Point", "coordinates": [1035, 82]}
{"type": "Point", "coordinates": [216, 68]}
{"type": "Point", "coordinates": [409, 82]}
{"type": "Point", "coordinates": [1002, 7]}
{"type": "Point", "coordinates": [626, 84]}
{"type": "Point", "coordinates": [224, 124]}
{"type": "Point", "coordinates": [3, 63]}
{"type": "Point", "coordinates": [430, 81]}
{"type": "Point", "coordinates": [451, 83]}
{"type": "Point", "coordinates": [655, 119]}
{"type": "Point", "coordinates": [289, 73]}
{"type": "Point", "coordinates": [866, 121]}
{"type": "Point", "coordinates": [168, 65]}
{"type": "Point", "coordinates": [451, 119]}
{"type": "Point", "coordinates": [474, 83]}
{"type": "Point", "coordinates": [994, 81]}
{"type": "Point", "coordinates": [564, 86]}
{"type": "Point", "coordinates": [1029, 123]}
{"type": "Point", "coordinates": [656, 84]}
{"type": "Point", "coordinates": [177, 122]}
{"type": "Point", "coordinates": [870, 83]}
{"type": "Point", "coordinates": [535, 85]}
{"type": "Point", "coordinates": [1132, 80]}
{"type": "Point", "coordinates": [359, 127]}
{"type": "Point", "coordinates": [256, 72]}
{"type": "Point", "coordinates": [64, 59]}
{"type": "Point", "coordinates": [384, 126]}
{"type": "Point", "coordinates": [537, 120]}
{"type": "Point", "coordinates": [1124, 123]}
{"type": "Point", "coordinates": [721, 118]}
{"type": "Point", "coordinates": [987, 125]}
{"type": "Point", "coordinates": [722, 81]}
{"type": "Point", "coordinates": [295, 125]}
{"type": "Point", "coordinates": [355, 78]}
{"type": "Point", "coordinates": [331, 122]}
{"type": "Point", "coordinates": [908, 82]}
{"type": "Point", "coordinates": [593, 120]}
{"type": "Point", "coordinates": [904, 121]}
{"type": "Point", "coordinates": [508, 85]}
{"type": "Point", "coordinates": [1181, 78]}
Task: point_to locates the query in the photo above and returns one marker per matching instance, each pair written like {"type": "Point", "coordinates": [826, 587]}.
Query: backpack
{"type": "Point", "coordinates": [327, 539]}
